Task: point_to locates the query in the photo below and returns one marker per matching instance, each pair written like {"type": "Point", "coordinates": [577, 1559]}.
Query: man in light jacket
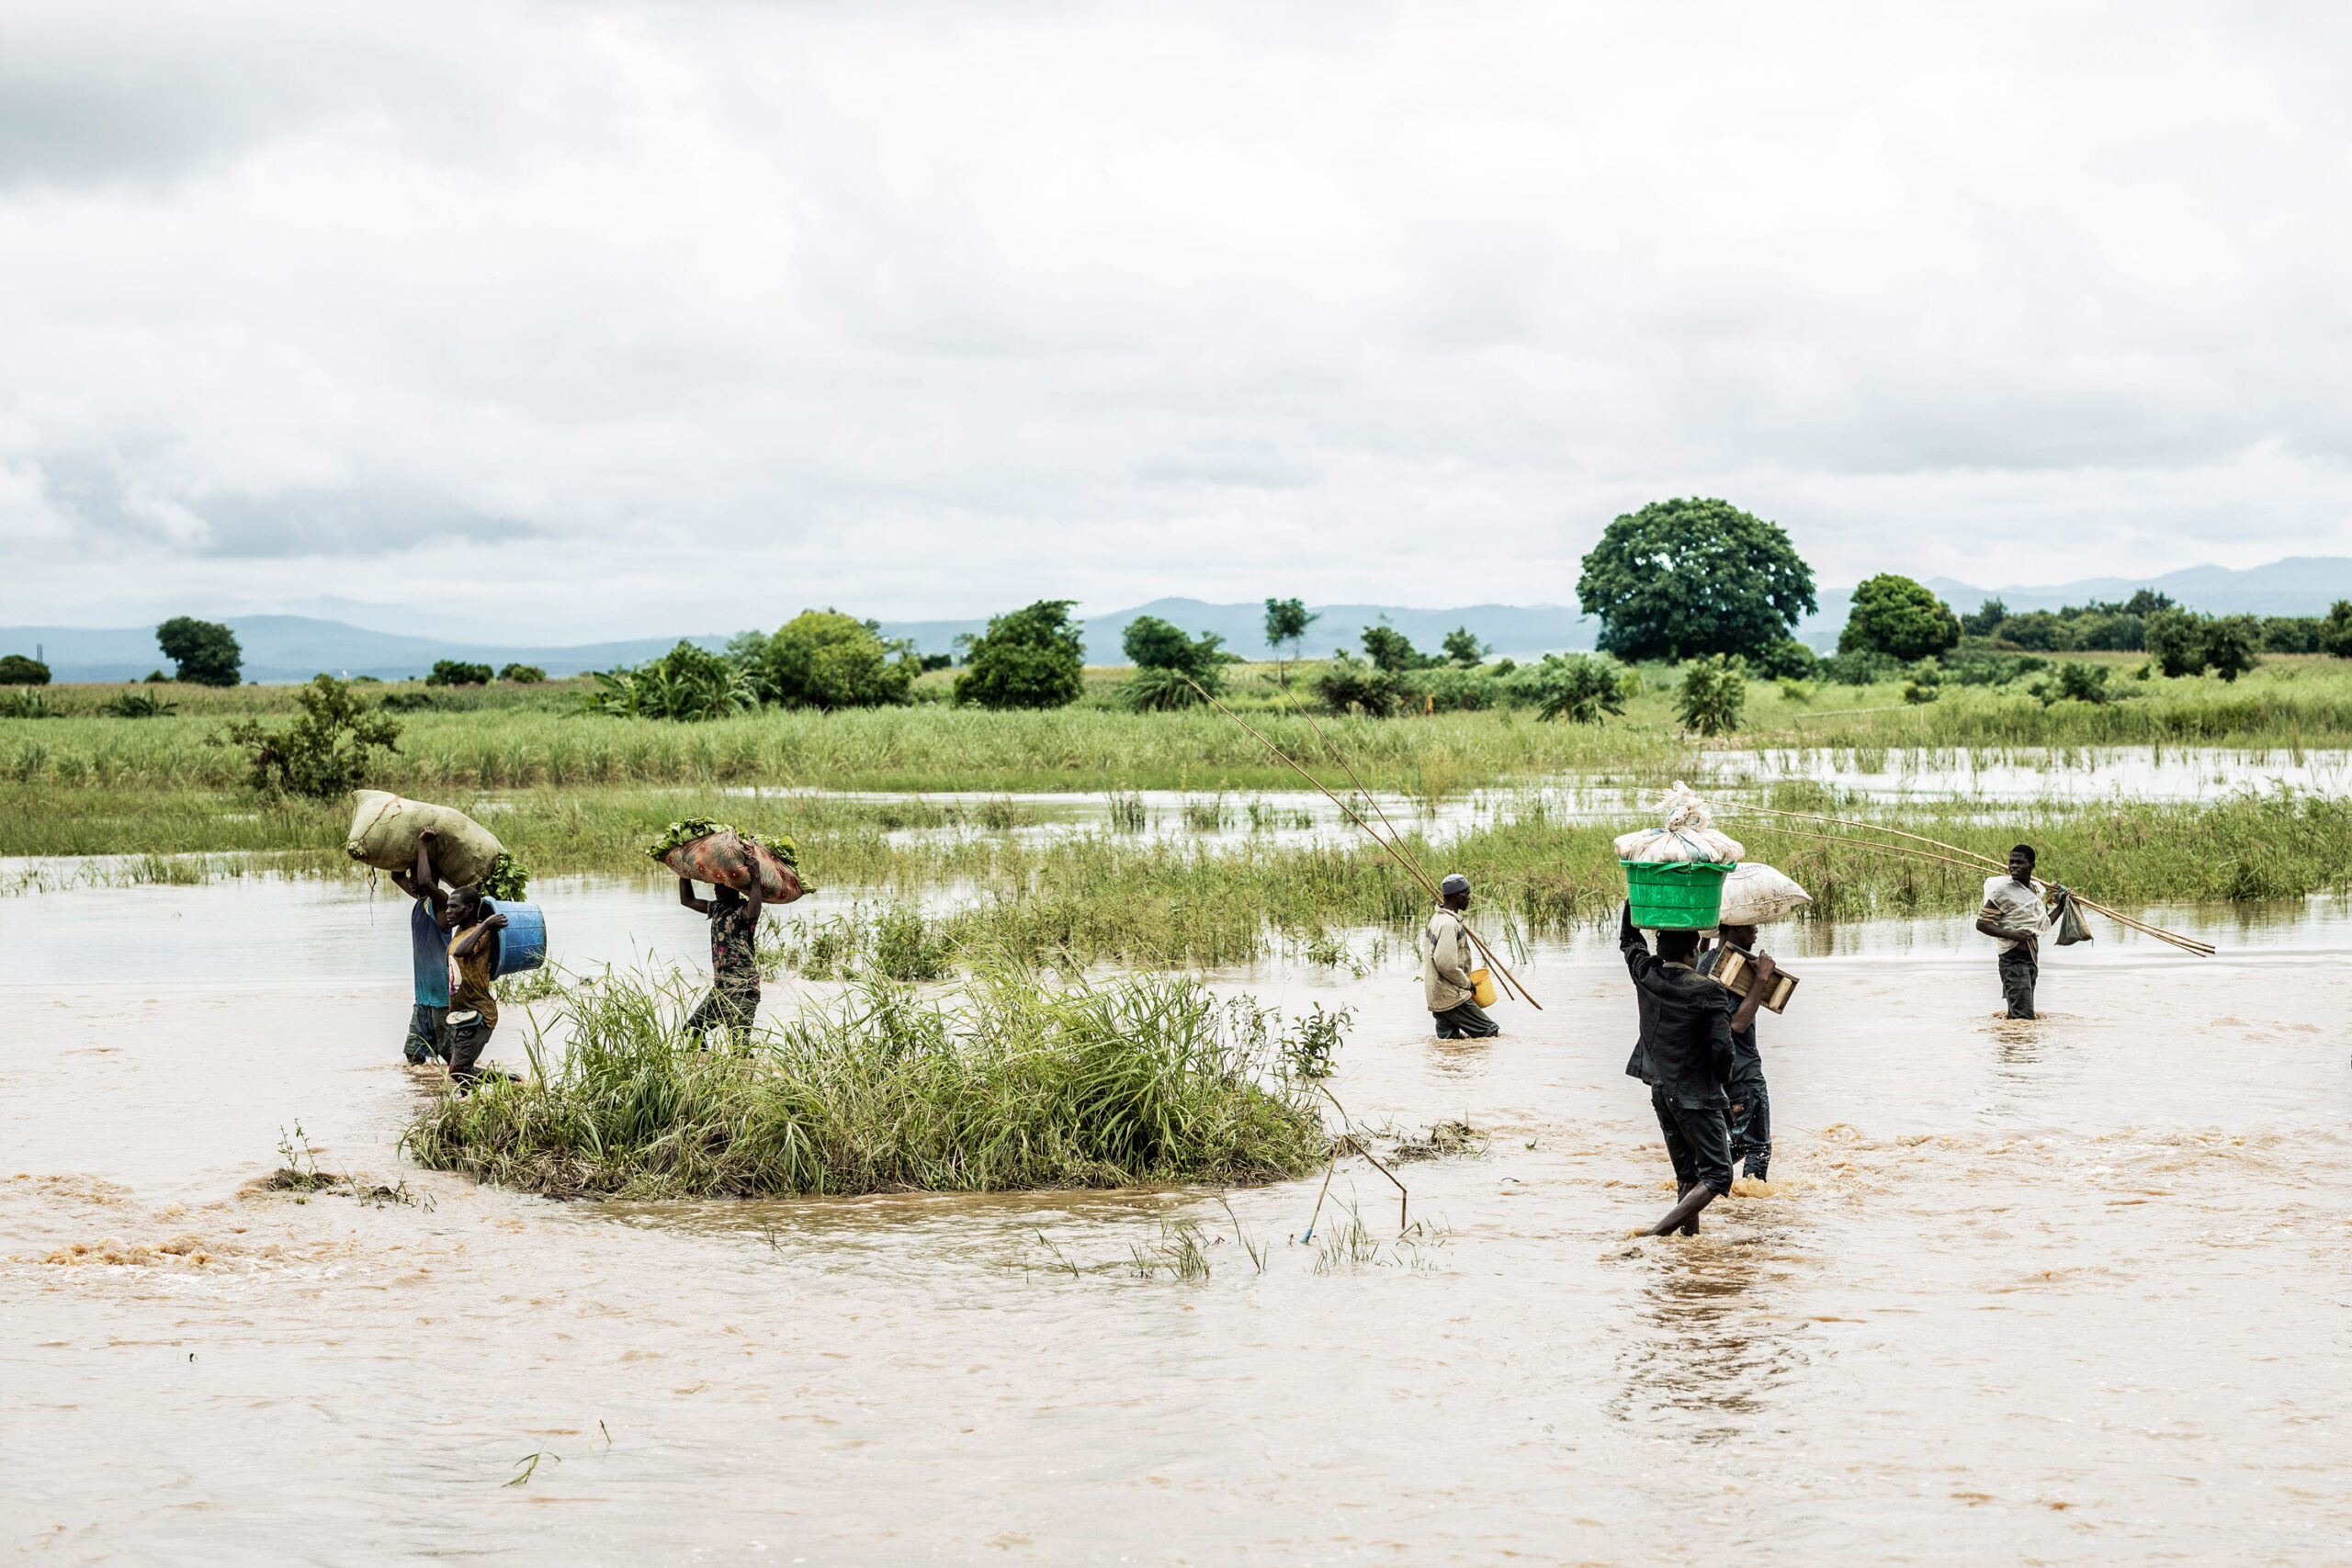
{"type": "Point", "coordinates": [1447, 960]}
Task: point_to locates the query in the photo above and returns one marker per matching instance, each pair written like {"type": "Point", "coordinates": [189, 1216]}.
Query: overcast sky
{"type": "Point", "coordinates": [574, 320]}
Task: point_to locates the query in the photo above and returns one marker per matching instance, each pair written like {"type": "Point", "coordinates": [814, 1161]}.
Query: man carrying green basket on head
{"type": "Point", "coordinates": [1446, 959]}
{"type": "Point", "coordinates": [1684, 1054]}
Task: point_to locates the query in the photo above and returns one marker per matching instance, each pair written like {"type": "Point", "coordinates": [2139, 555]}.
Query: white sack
{"type": "Point", "coordinates": [384, 830]}
{"type": "Point", "coordinates": [1756, 895]}
{"type": "Point", "coordinates": [1685, 832]}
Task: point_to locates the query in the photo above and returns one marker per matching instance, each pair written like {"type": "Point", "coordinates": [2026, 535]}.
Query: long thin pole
{"type": "Point", "coordinates": [1341, 757]}
{"type": "Point", "coordinates": [2187, 945]}
{"type": "Point", "coordinates": [1396, 854]}
{"type": "Point", "coordinates": [2191, 944]}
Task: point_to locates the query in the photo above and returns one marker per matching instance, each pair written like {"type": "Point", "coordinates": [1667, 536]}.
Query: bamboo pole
{"type": "Point", "coordinates": [1975, 862]}
{"type": "Point", "coordinates": [1395, 853]}
{"type": "Point", "coordinates": [1512, 987]}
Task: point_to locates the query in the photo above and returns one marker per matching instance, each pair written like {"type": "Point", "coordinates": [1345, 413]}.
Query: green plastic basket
{"type": "Point", "coordinates": [1676, 896]}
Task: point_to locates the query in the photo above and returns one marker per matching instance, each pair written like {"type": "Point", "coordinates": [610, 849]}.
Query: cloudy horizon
{"type": "Point", "coordinates": [570, 320]}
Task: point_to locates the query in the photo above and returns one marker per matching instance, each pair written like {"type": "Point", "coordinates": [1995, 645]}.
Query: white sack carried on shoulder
{"type": "Point", "coordinates": [1756, 895]}
{"type": "Point", "coordinates": [1686, 832]}
{"type": "Point", "coordinates": [384, 830]}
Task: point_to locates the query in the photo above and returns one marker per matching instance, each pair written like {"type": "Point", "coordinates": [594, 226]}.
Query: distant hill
{"type": "Point", "coordinates": [295, 647]}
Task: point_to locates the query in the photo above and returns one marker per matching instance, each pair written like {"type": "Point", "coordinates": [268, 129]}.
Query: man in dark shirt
{"type": "Point", "coordinates": [1751, 1107]}
{"type": "Point", "coordinates": [1684, 1055]}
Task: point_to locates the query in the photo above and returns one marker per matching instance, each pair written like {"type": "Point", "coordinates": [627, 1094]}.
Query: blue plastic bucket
{"type": "Point", "coordinates": [524, 943]}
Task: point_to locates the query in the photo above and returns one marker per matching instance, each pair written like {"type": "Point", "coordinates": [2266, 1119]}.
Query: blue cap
{"type": "Point", "coordinates": [1455, 883]}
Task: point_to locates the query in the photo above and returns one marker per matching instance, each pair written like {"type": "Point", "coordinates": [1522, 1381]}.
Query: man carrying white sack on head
{"type": "Point", "coordinates": [1752, 895]}
{"type": "Point", "coordinates": [1446, 959]}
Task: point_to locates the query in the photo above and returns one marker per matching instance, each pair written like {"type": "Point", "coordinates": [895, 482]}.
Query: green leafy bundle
{"type": "Point", "coordinates": [686, 830]}
{"type": "Point", "coordinates": [506, 880]}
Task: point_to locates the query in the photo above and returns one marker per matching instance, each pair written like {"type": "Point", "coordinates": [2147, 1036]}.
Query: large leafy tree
{"type": "Point", "coordinates": [1679, 579]}
{"type": "Point", "coordinates": [205, 651]}
{"type": "Point", "coordinates": [822, 658]}
{"type": "Point", "coordinates": [1900, 618]}
{"type": "Point", "coordinates": [1030, 658]}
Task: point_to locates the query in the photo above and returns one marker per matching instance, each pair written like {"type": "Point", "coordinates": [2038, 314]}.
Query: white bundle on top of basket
{"type": "Point", "coordinates": [1686, 832]}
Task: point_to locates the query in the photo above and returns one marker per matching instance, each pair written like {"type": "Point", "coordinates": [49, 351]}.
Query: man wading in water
{"type": "Point", "coordinates": [1685, 1055]}
{"type": "Point", "coordinates": [1445, 968]}
{"type": "Point", "coordinates": [473, 964]}
{"type": "Point", "coordinates": [734, 996]}
{"type": "Point", "coordinates": [2013, 915]}
{"type": "Point", "coordinates": [429, 955]}
{"type": "Point", "coordinates": [1751, 1108]}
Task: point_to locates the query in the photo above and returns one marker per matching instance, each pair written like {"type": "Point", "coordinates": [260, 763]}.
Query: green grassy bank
{"type": "Point", "coordinates": [1006, 1083]}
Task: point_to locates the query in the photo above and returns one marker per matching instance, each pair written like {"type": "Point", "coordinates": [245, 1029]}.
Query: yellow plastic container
{"type": "Point", "coordinates": [1482, 987]}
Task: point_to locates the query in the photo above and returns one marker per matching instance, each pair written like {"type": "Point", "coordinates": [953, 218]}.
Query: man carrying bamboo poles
{"type": "Point", "coordinates": [1684, 1054]}
{"type": "Point", "coordinates": [1451, 992]}
{"type": "Point", "coordinates": [2013, 916]}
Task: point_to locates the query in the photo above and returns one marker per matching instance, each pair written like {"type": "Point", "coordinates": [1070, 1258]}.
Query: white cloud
{"type": "Point", "coordinates": [596, 319]}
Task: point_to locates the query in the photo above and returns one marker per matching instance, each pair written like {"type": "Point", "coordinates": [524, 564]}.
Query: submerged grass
{"type": "Point", "coordinates": [1109, 896]}
{"type": "Point", "coordinates": [1004, 1083]}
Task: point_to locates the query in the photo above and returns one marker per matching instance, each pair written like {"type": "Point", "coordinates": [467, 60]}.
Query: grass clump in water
{"type": "Point", "coordinates": [1002, 1083]}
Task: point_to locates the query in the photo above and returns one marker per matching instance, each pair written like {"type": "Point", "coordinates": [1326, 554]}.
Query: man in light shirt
{"type": "Point", "coordinates": [2013, 916]}
{"type": "Point", "coordinates": [1446, 959]}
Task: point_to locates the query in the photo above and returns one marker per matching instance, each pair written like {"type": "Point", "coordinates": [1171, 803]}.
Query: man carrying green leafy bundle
{"type": "Point", "coordinates": [734, 996]}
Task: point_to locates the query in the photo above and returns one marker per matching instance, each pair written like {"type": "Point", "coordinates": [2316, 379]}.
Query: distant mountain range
{"type": "Point", "coordinates": [295, 647]}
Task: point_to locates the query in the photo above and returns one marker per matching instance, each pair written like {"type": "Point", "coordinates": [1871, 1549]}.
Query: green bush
{"type": "Point", "coordinates": [2231, 643]}
{"type": "Point", "coordinates": [2335, 631]}
{"type": "Point", "coordinates": [1030, 658]}
{"type": "Point", "coordinates": [1393, 653]}
{"type": "Point", "coordinates": [1168, 665]}
{"type": "Point", "coordinates": [1900, 618]}
{"type": "Point", "coordinates": [139, 705]}
{"type": "Point", "coordinates": [822, 658]}
{"type": "Point", "coordinates": [16, 670]}
{"type": "Point", "coordinates": [1857, 668]}
{"type": "Point", "coordinates": [688, 684]}
{"type": "Point", "coordinates": [324, 753]}
{"type": "Point", "coordinates": [1462, 648]}
{"type": "Point", "coordinates": [1714, 691]}
{"type": "Point", "coordinates": [1349, 684]}
{"type": "Point", "coordinates": [1578, 687]}
{"type": "Point", "coordinates": [457, 673]}
{"type": "Point", "coordinates": [2176, 642]}
{"type": "Point", "coordinates": [523, 674]}
{"type": "Point", "coordinates": [1787, 659]}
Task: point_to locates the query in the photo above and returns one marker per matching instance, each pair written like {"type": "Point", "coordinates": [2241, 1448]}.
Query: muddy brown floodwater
{"type": "Point", "coordinates": [2074, 1290]}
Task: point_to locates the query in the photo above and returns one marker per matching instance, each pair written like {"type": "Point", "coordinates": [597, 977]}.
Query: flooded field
{"type": "Point", "coordinates": [2072, 1291]}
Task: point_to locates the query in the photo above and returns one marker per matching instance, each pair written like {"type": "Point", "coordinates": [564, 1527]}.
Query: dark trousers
{"type": "Point", "coordinates": [2019, 972]}
{"type": "Point", "coordinates": [424, 1041]}
{"type": "Point", "coordinates": [1751, 1129]}
{"type": "Point", "coordinates": [1467, 1021]}
{"type": "Point", "coordinates": [1697, 1140]}
{"type": "Point", "coordinates": [728, 1007]}
{"type": "Point", "coordinates": [463, 1044]}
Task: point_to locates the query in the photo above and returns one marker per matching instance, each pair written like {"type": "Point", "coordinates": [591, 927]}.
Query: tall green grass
{"type": "Point", "coordinates": [1004, 1083]}
{"type": "Point", "coordinates": [515, 740]}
